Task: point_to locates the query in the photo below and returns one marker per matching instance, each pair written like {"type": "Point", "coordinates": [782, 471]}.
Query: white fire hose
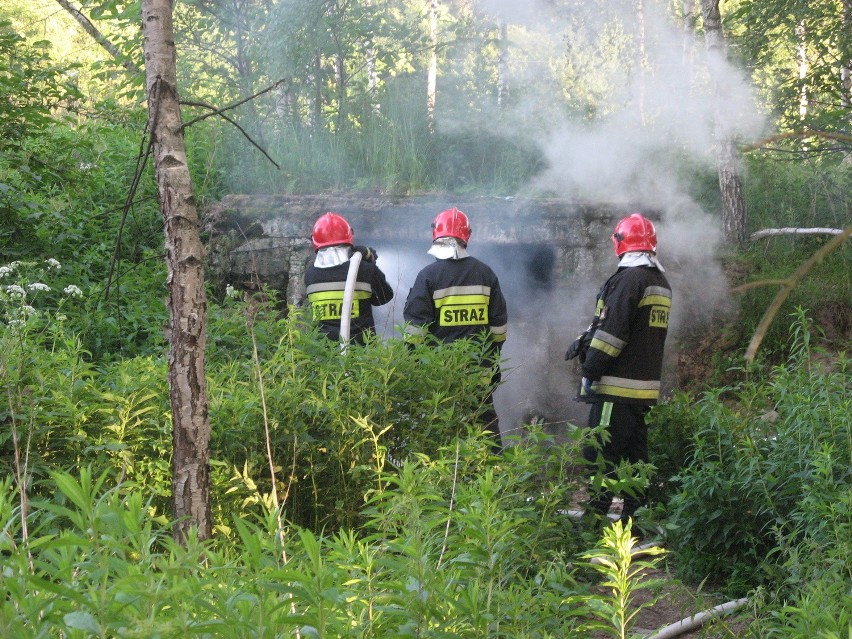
{"type": "Point", "coordinates": [690, 623]}
{"type": "Point", "coordinates": [348, 294]}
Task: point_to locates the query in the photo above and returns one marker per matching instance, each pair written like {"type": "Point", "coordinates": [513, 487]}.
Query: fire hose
{"type": "Point", "coordinates": [348, 294]}
{"type": "Point", "coordinates": [694, 621]}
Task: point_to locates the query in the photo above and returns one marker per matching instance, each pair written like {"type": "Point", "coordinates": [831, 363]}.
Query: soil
{"type": "Point", "coordinates": [672, 601]}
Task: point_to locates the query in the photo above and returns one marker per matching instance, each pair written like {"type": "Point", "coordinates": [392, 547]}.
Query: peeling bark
{"type": "Point", "coordinates": [187, 302]}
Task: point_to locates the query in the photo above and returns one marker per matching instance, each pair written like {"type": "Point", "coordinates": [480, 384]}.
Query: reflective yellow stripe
{"type": "Point", "coordinates": [627, 388]}
{"type": "Point", "coordinates": [462, 290]}
{"type": "Point", "coordinates": [331, 287]}
{"type": "Point", "coordinates": [498, 333]}
{"type": "Point", "coordinates": [602, 346]}
{"type": "Point", "coordinates": [462, 310]}
{"type": "Point", "coordinates": [656, 300]}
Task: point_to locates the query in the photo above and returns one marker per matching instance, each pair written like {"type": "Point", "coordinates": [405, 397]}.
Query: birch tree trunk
{"type": "Point", "coordinates": [640, 58]}
{"type": "Point", "coordinates": [690, 19]}
{"type": "Point", "coordinates": [734, 214]}
{"type": "Point", "coordinates": [503, 64]}
{"type": "Point", "coordinates": [372, 72]}
{"type": "Point", "coordinates": [184, 257]}
{"type": "Point", "coordinates": [432, 79]}
{"type": "Point", "coordinates": [802, 67]}
{"type": "Point", "coordinates": [846, 63]}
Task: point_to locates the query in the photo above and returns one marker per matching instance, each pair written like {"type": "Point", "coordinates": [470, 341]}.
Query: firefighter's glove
{"type": "Point", "coordinates": [578, 348]}
{"type": "Point", "coordinates": [367, 254]}
{"type": "Point", "coordinates": [586, 384]}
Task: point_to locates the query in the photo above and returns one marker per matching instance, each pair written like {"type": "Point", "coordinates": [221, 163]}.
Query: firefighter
{"type": "Point", "coordinates": [621, 356]}
{"type": "Point", "coordinates": [325, 280]}
{"type": "Point", "coordinates": [456, 297]}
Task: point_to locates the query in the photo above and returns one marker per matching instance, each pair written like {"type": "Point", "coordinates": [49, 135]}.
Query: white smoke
{"type": "Point", "coordinates": [652, 128]}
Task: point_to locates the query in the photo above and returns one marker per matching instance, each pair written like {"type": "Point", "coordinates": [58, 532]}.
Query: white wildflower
{"type": "Point", "coordinates": [6, 270]}
{"type": "Point", "coordinates": [38, 286]}
{"type": "Point", "coordinates": [61, 318]}
{"type": "Point", "coordinates": [53, 264]}
{"type": "Point", "coordinates": [73, 291]}
{"type": "Point", "coordinates": [16, 323]}
{"type": "Point", "coordinates": [28, 310]}
{"type": "Point", "coordinates": [16, 291]}
{"type": "Point", "coordinates": [230, 291]}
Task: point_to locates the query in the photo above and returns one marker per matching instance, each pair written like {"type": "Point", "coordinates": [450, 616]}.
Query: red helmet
{"type": "Point", "coordinates": [451, 223]}
{"type": "Point", "coordinates": [634, 233]}
{"type": "Point", "coordinates": [331, 229]}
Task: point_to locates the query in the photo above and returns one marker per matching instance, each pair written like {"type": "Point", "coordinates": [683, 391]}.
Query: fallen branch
{"type": "Point", "coordinates": [807, 133]}
{"type": "Point", "coordinates": [794, 231]}
{"type": "Point", "coordinates": [788, 285]}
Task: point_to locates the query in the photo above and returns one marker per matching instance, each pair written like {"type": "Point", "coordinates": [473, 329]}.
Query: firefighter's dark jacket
{"type": "Point", "coordinates": [325, 288]}
{"type": "Point", "coordinates": [455, 299]}
{"type": "Point", "coordinates": [625, 356]}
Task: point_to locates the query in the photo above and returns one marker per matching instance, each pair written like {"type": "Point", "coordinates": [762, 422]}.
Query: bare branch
{"type": "Point", "coordinates": [99, 37]}
{"type": "Point", "coordinates": [807, 133]}
{"type": "Point", "coordinates": [742, 288]}
{"type": "Point", "coordinates": [220, 113]}
{"type": "Point", "coordinates": [233, 105]}
{"type": "Point", "coordinates": [794, 231]}
{"type": "Point", "coordinates": [789, 284]}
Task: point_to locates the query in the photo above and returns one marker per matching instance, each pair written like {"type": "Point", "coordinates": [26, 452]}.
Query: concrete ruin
{"type": "Point", "coordinates": [551, 257]}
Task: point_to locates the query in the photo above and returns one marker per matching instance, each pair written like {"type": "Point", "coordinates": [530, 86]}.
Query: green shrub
{"type": "Point", "coordinates": [765, 499]}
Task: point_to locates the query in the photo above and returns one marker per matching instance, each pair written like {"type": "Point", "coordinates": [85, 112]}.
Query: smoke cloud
{"type": "Point", "coordinates": [655, 127]}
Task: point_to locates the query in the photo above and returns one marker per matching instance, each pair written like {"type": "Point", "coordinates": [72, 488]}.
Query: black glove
{"type": "Point", "coordinates": [367, 254]}
{"type": "Point", "coordinates": [578, 347]}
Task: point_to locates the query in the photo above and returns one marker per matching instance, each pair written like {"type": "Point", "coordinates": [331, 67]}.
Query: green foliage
{"type": "Point", "coordinates": [335, 421]}
{"type": "Point", "coordinates": [771, 34]}
{"type": "Point", "coordinates": [672, 425]}
{"type": "Point", "coordinates": [96, 561]}
{"type": "Point", "coordinates": [779, 194]}
{"type": "Point", "coordinates": [763, 499]}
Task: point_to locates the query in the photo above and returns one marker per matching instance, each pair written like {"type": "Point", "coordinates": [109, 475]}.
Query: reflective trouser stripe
{"type": "Point", "coordinates": [606, 414]}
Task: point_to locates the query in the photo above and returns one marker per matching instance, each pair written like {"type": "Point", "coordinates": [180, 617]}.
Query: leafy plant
{"type": "Point", "coordinates": [760, 496]}
{"type": "Point", "coordinates": [619, 564]}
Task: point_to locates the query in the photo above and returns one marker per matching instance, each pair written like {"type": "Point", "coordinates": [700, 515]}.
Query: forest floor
{"type": "Point", "coordinates": [668, 600]}
{"type": "Point", "coordinates": [673, 601]}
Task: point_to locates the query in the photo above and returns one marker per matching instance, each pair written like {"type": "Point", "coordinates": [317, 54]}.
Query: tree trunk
{"type": "Point", "coordinates": [734, 214]}
{"type": "Point", "coordinates": [372, 72]}
{"type": "Point", "coordinates": [690, 19]}
{"type": "Point", "coordinates": [846, 63]}
{"type": "Point", "coordinates": [503, 64]}
{"type": "Point", "coordinates": [640, 59]}
{"type": "Point", "coordinates": [802, 67]}
{"type": "Point", "coordinates": [432, 79]}
{"type": "Point", "coordinates": [184, 256]}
